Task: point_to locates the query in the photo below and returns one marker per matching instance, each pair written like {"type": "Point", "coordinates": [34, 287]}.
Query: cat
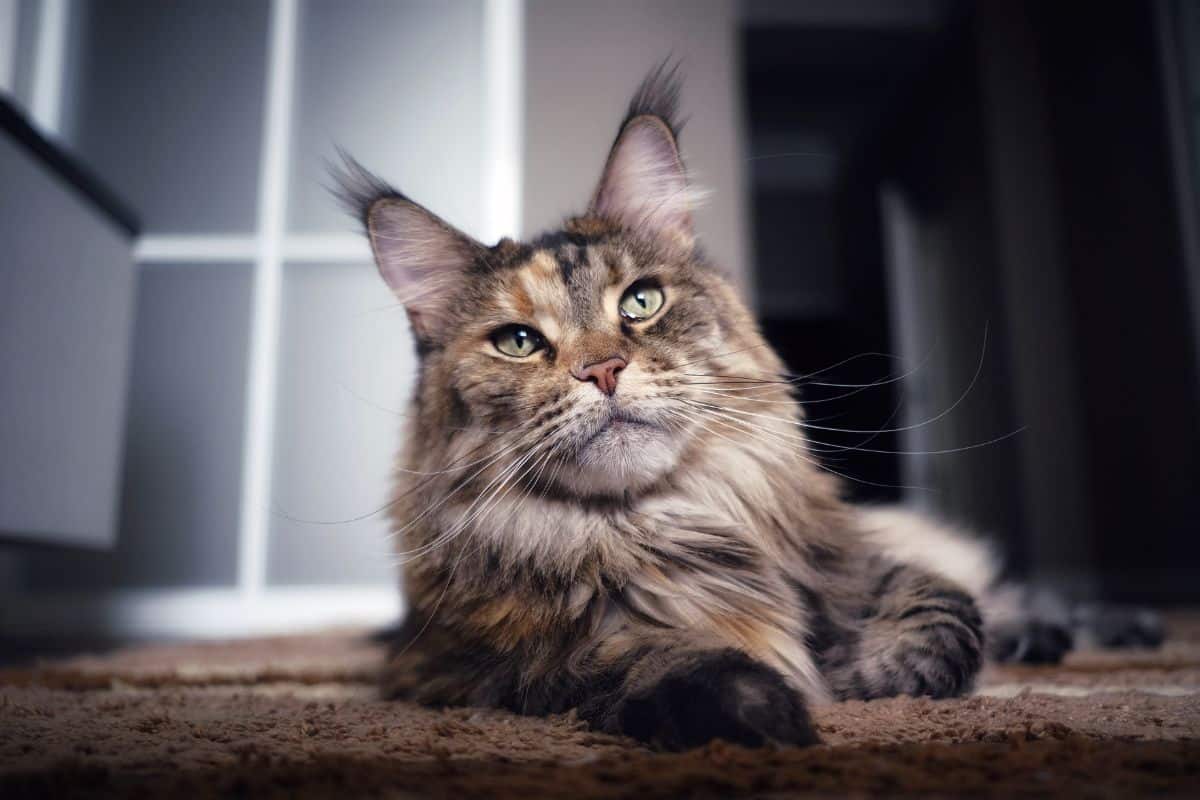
{"type": "Point", "coordinates": [605, 500]}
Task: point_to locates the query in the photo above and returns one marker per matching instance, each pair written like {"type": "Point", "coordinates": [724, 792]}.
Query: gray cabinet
{"type": "Point", "coordinates": [66, 306]}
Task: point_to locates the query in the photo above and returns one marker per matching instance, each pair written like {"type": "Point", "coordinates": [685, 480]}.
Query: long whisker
{"type": "Point", "coordinates": [849, 360]}
{"type": "Point", "coordinates": [842, 448]}
{"type": "Point", "coordinates": [461, 484]}
{"type": "Point", "coordinates": [445, 537]}
{"type": "Point", "coordinates": [720, 355]}
{"type": "Point", "coordinates": [735, 381]}
{"type": "Point", "coordinates": [914, 426]}
{"type": "Point", "coordinates": [691, 420]}
{"type": "Point", "coordinates": [487, 462]}
{"type": "Point", "coordinates": [791, 402]}
{"type": "Point", "coordinates": [442, 595]}
{"type": "Point", "coordinates": [816, 463]}
{"type": "Point", "coordinates": [477, 510]}
{"type": "Point", "coordinates": [359, 518]}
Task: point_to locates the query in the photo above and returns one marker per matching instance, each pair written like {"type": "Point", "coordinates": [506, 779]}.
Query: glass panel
{"type": "Point", "coordinates": [398, 84]}
{"type": "Point", "coordinates": [346, 362]}
{"type": "Point", "coordinates": [165, 102]}
{"type": "Point", "coordinates": [183, 438]}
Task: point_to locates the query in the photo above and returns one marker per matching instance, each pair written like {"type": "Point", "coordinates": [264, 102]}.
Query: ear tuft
{"type": "Point", "coordinates": [658, 96]}
{"type": "Point", "coordinates": [644, 186]}
{"type": "Point", "coordinates": [423, 258]}
{"type": "Point", "coordinates": [356, 189]}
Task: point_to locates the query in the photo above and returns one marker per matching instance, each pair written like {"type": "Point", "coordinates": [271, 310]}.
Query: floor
{"type": "Point", "coordinates": [299, 715]}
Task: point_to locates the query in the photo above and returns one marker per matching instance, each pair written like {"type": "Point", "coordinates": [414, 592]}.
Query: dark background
{"type": "Point", "coordinates": [1033, 143]}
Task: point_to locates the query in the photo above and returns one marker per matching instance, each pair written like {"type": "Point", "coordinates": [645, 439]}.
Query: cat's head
{"type": "Point", "coordinates": [594, 348]}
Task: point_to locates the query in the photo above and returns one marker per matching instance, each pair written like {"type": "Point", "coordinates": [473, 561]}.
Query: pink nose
{"type": "Point", "coordinates": [602, 373]}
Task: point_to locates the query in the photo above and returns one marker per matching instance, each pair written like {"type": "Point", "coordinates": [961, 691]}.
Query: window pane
{"type": "Point", "coordinates": [398, 84]}
{"type": "Point", "coordinates": [346, 362]}
{"type": "Point", "coordinates": [166, 103]}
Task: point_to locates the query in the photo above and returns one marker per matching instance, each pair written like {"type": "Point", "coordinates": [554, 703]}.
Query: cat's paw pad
{"type": "Point", "coordinates": [1116, 626]}
{"type": "Point", "coordinates": [1030, 642]}
{"type": "Point", "coordinates": [723, 695]}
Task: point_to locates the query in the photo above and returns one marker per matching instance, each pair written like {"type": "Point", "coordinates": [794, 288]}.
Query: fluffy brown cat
{"type": "Point", "coordinates": [605, 500]}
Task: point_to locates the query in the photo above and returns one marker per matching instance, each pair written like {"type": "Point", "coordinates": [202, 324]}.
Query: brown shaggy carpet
{"type": "Point", "coordinates": [299, 715]}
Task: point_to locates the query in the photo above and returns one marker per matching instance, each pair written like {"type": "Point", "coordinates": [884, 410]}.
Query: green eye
{"type": "Point", "coordinates": [518, 341]}
{"type": "Point", "coordinates": [641, 301]}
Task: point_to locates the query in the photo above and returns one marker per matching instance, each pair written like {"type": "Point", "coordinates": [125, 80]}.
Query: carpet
{"type": "Point", "coordinates": [299, 716]}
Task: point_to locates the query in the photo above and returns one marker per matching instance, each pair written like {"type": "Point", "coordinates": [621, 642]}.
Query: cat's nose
{"type": "Point", "coordinates": [602, 373]}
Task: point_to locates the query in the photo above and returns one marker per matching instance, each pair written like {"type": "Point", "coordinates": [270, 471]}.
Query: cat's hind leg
{"type": "Point", "coordinates": [1117, 626]}
{"type": "Point", "coordinates": [1036, 626]}
{"type": "Point", "coordinates": [1025, 626]}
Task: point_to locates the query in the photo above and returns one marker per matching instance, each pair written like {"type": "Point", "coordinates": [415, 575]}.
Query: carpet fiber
{"type": "Point", "coordinates": [299, 715]}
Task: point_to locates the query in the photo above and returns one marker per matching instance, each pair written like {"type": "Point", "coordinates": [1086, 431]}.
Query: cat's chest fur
{"type": "Point", "coordinates": [709, 557]}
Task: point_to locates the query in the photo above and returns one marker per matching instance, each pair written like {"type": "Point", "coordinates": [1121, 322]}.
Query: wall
{"type": "Point", "coordinates": [583, 61]}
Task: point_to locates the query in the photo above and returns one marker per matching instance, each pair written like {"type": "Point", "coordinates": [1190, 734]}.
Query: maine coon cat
{"type": "Point", "coordinates": [605, 500]}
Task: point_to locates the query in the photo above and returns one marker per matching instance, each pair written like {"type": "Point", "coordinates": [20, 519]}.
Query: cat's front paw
{"type": "Point", "coordinates": [928, 643]}
{"type": "Point", "coordinates": [720, 695]}
{"type": "Point", "coordinates": [940, 661]}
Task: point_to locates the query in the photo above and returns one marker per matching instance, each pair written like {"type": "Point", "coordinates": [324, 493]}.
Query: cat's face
{"type": "Point", "coordinates": [589, 346]}
{"type": "Point", "coordinates": [585, 356]}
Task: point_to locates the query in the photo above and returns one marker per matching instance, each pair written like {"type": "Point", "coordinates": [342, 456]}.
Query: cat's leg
{"type": "Point", "coordinates": [919, 634]}
{"type": "Point", "coordinates": [666, 689]}
{"type": "Point", "coordinates": [1020, 625]}
{"type": "Point", "coordinates": [678, 698]}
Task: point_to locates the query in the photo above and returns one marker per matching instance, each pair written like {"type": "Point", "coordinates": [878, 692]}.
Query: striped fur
{"type": "Point", "coordinates": [669, 560]}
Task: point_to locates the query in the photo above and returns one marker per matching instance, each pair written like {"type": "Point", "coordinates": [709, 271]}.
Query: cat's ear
{"type": "Point", "coordinates": [644, 186]}
{"type": "Point", "coordinates": [423, 258]}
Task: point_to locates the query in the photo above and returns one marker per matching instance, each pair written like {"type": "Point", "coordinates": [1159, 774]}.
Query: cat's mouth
{"type": "Point", "coordinates": [618, 425]}
{"type": "Point", "coordinates": [619, 452]}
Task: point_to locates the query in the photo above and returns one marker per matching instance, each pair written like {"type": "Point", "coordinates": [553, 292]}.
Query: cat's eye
{"type": "Point", "coordinates": [641, 301]}
{"type": "Point", "coordinates": [518, 341]}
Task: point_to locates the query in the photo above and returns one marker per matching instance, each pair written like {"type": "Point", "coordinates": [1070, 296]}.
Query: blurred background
{"type": "Point", "coordinates": [969, 219]}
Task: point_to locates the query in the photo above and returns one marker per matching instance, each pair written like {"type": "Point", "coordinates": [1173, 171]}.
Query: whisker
{"type": "Point", "coordinates": [441, 596]}
{"type": "Point", "coordinates": [429, 479]}
{"type": "Point", "coordinates": [822, 466]}
{"type": "Point", "coordinates": [914, 426]}
{"type": "Point", "coordinates": [721, 355]}
{"type": "Point", "coordinates": [842, 448]}
{"type": "Point", "coordinates": [851, 359]}
{"type": "Point", "coordinates": [445, 537]}
{"type": "Point", "coordinates": [460, 486]}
